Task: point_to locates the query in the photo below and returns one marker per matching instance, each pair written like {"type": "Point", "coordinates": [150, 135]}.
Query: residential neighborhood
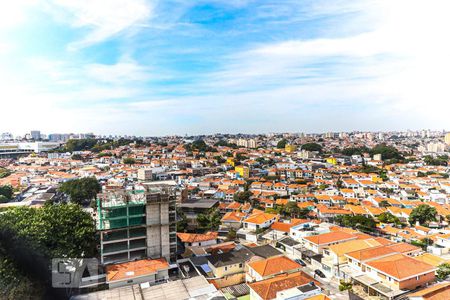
{"type": "Point", "coordinates": [259, 222]}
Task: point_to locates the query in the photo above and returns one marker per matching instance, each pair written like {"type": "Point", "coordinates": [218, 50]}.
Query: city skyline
{"type": "Point", "coordinates": [157, 68]}
{"type": "Point", "coordinates": [81, 135]}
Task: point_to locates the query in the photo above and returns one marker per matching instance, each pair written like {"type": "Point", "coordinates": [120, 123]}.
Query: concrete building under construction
{"type": "Point", "coordinates": [138, 224]}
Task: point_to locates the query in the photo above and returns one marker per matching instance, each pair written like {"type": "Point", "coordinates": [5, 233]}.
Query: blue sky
{"type": "Point", "coordinates": [175, 67]}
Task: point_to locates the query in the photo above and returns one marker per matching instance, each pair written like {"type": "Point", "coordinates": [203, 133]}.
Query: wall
{"type": "Point", "coordinates": [229, 280]}
{"type": "Point", "coordinates": [231, 269]}
{"type": "Point", "coordinates": [413, 283]}
{"type": "Point", "coordinates": [130, 281]}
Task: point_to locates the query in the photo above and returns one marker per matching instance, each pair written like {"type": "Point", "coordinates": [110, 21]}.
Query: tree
{"type": "Point", "coordinates": [81, 190]}
{"type": "Point", "coordinates": [31, 237]}
{"type": "Point", "coordinates": [220, 159]}
{"type": "Point", "coordinates": [242, 197]}
{"type": "Point", "coordinates": [424, 243]}
{"type": "Point", "coordinates": [387, 152]}
{"type": "Point", "coordinates": [447, 218]}
{"type": "Point", "coordinates": [199, 145]}
{"type": "Point", "coordinates": [384, 203]}
{"type": "Point", "coordinates": [282, 144]}
{"type": "Point", "coordinates": [312, 147]}
{"type": "Point", "coordinates": [231, 236]}
{"type": "Point", "coordinates": [129, 161]}
{"type": "Point", "coordinates": [77, 157]}
{"type": "Point", "coordinates": [387, 217]}
{"type": "Point", "coordinates": [6, 193]}
{"type": "Point", "coordinates": [422, 214]}
{"type": "Point", "coordinates": [441, 160]}
{"type": "Point", "coordinates": [209, 221]}
{"type": "Point", "coordinates": [3, 199]}
{"type": "Point", "coordinates": [291, 209]}
{"type": "Point", "coordinates": [182, 222]}
{"type": "Point", "coordinates": [4, 172]}
{"type": "Point", "coordinates": [443, 271]}
{"type": "Point", "coordinates": [344, 285]}
{"type": "Point", "coordinates": [384, 176]}
{"type": "Point", "coordinates": [79, 145]}
{"type": "Point", "coordinates": [357, 222]}
{"type": "Point", "coordinates": [355, 151]}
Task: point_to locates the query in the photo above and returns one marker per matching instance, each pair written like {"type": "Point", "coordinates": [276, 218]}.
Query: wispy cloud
{"type": "Point", "coordinates": [101, 19]}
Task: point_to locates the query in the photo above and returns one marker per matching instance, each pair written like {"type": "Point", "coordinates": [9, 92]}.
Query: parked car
{"type": "Point", "coordinates": [319, 273]}
{"type": "Point", "coordinates": [300, 262]}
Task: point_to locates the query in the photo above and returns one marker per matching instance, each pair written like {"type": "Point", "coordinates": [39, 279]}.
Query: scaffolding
{"type": "Point", "coordinates": [138, 223]}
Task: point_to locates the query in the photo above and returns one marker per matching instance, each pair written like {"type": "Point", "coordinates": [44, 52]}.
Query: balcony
{"type": "Point", "coordinates": [117, 247]}
{"type": "Point", "coordinates": [138, 232]}
{"type": "Point", "coordinates": [137, 244]}
{"type": "Point", "coordinates": [115, 235]}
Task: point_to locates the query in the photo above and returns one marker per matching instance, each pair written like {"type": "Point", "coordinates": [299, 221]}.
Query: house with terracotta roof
{"type": "Point", "coordinates": [318, 243]}
{"type": "Point", "coordinates": [259, 220]}
{"type": "Point", "coordinates": [139, 271]}
{"type": "Point", "coordinates": [401, 272]}
{"type": "Point", "coordinates": [196, 239]}
{"type": "Point", "coordinates": [233, 219]}
{"type": "Point", "coordinates": [284, 228]}
{"type": "Point", "coordinates": [272, 288]}
{"type": "Point", "coordinates": [233, 206]}
{"type": "Point", "coordinates": [270, 267]}
{"type": "Point", "coordinates": [440, 291]}
{"type": "Point", "coordinates": [328, 213]}
{"type": "Point", "coordinates": [431, 259]}
{"type": "Point", "coordinates": [387, 272]}
{"type": "Point", "coordinates": [334, 258]}
{"type": "Point", "coordinates": [441, 245]}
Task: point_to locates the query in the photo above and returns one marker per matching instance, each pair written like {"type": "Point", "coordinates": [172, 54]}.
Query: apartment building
{"type": "Point", "coordinates": [137, 224]}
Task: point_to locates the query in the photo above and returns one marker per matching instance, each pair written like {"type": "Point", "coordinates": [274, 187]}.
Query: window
{"type": "Point", "coordinates": [240, 265]}
{"type": "Point", "coordinates": [226, 268]}
{"type": "Point", "coordinates": [417, 277]}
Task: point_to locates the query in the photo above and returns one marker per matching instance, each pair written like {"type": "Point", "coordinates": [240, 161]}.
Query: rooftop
{"type": "Point", "coordinates": [117, 272]}
{"type": "Point", "coordinates": [267, 289]}
{"type": "Point", "coordinates": [274, 265]}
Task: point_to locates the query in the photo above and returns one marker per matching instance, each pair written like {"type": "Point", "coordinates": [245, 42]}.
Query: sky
{"type": "Point", "coordinates": [167, 67]}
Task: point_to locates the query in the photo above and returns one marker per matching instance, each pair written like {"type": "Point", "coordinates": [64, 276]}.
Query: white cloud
{"type": "Point", "coordinates": [126, 70]}
{"type": "Point", "coordinates": [14, 13]}
{"type": "Point", "coordinates": [400, 67]}
{"type": "Point", "coordinates": [103, 19]}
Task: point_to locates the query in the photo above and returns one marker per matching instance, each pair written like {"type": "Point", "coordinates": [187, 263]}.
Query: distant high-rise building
{"type": "Point", "coordinates": [436, 147]}
{"type": "Point", "coordinates": [247, 143]}
{"type": "Point", "coordinates": [447, 138]}
{"type": "Point", "coordinates": [252, 143]}
{"type": "Point", "coordinates": [6, 136]}
{"type": "Point", "coordinates": [330, 135]}
{"type": "Point", "coordinates": [144, 174]}
{"type": "Point", "coordinates": [35, 135]}
{"type": "Point", "coordinates": [58, 137]}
